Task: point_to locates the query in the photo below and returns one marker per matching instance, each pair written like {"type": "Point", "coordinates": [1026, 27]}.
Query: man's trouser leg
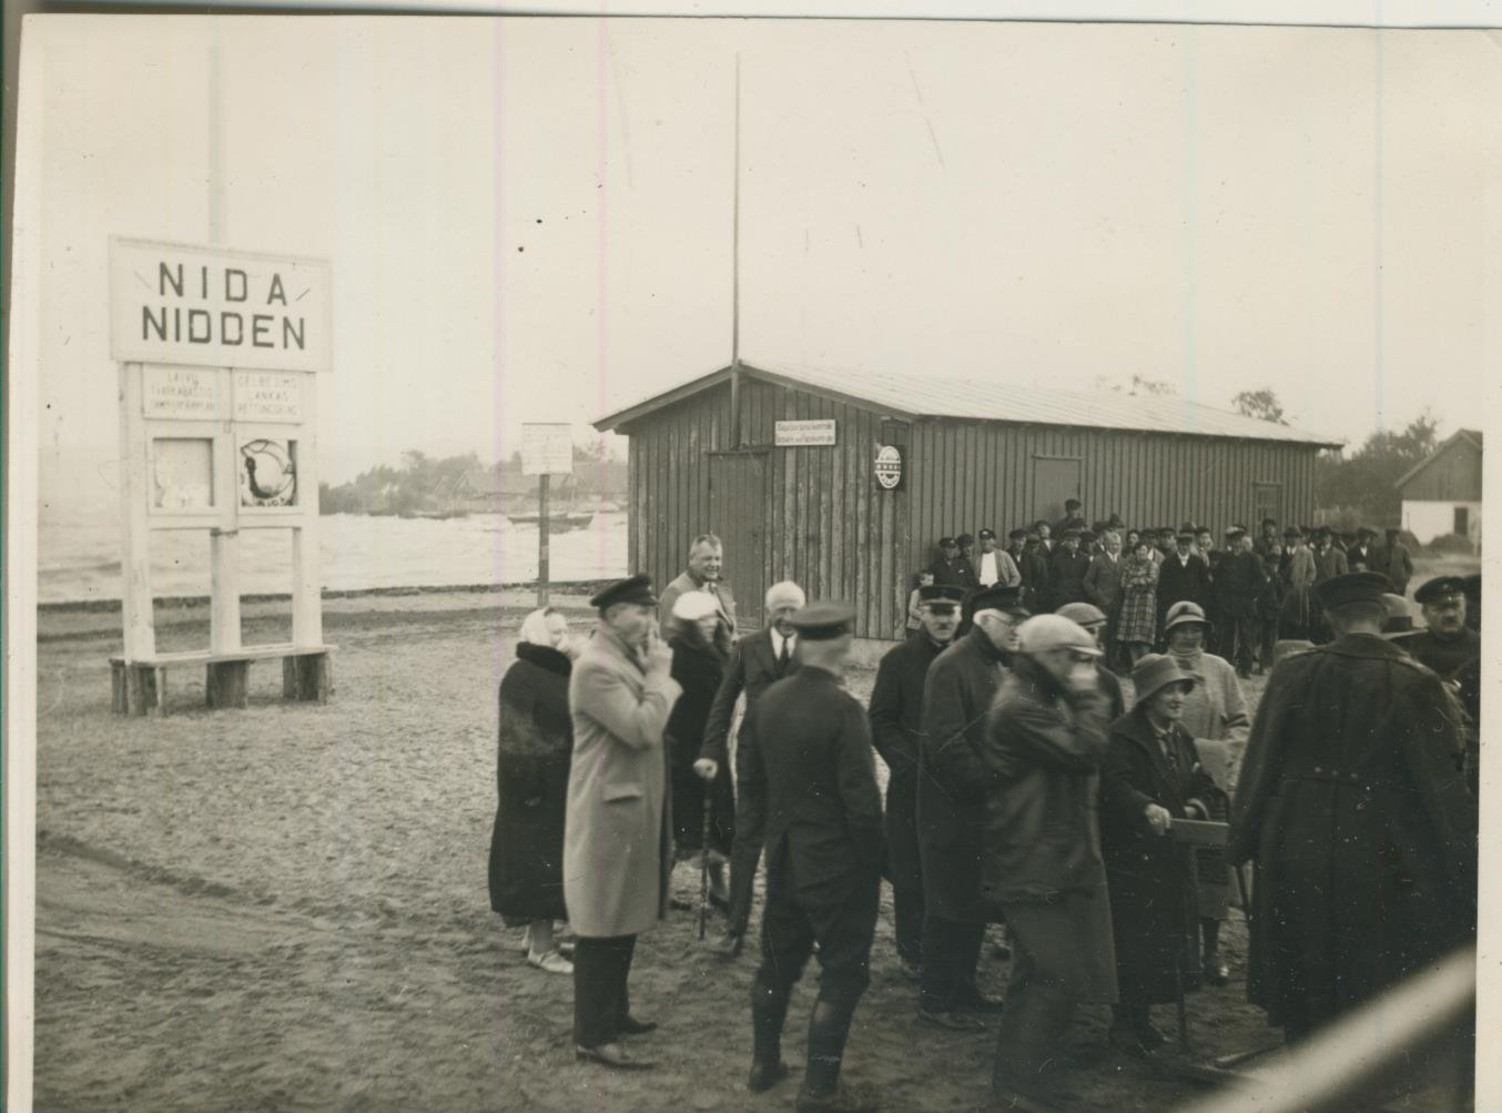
{"type": "Point", "coordinates": [845, 930]}
{"type": "Point", "coordinates": [906, 865]}
{"type": "Point", "coordinates": [951, 952]}
{"type": "Point", "coordinates": [601, 969]}
{"type": "Point", "coordinates": [744, 857]}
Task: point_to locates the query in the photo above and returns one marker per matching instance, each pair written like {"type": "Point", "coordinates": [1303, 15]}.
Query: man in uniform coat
{"type": "Point", "coordinates": [755, 664]}
{"type": "Point", "coordinates": [1364, 556]}
{"type": "Point", "coordinates": [1037, 592]}
{"type": "Point", "coordinates": [1043, 743]}
{"type": "Point", "coordinates": [1072, 519]}
{"type": "Point", "coordinates": [617, 839]}
{"type": "Point", "coordinates": [1363, 833]}
{"type": "Point", "coordinates": [706, 562]}
{"type": "Point", "coordinates": [1067, 569]}
{"type": "Point", "coordinates": [897, 733]}
{"type": "Point", "coordinates": [958, 691]}
{"type": "Point", "coordinates": [1238, 583]}
{"type": "Point", "coordinates": [952, 568]}
{"type": "Point", "coordinates": [810, 780]}
{"type": "Point", "coordinates": [1452, 650]}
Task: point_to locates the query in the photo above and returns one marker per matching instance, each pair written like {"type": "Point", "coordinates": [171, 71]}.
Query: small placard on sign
{"type": "Point", "coordinates": [180, 393]}
{"type": "Point", "coordinates": [805, 432]}
{"type": "Point", "coordinates": [273, 397]}
{"type": "Point", "coordinates": [547, 448]}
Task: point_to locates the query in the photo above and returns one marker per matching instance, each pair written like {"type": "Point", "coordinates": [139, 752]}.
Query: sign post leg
{"type": "Point", "coordinates": [542, 541]}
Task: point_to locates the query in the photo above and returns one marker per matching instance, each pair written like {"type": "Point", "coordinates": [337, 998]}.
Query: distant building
{"type": "Point", "coordinates": [1442, 494]}
{"type": "Point", "coordinates": [843, 481]}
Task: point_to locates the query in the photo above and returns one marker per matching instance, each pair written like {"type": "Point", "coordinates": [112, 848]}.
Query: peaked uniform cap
{"type": "Point", "coordinates": [823, 620]}
{"type": "Point", "coordinates": [636, 590]}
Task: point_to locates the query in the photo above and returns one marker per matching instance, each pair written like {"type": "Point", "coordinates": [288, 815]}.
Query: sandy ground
{"type": "Point", "coordinates": [285, 907]}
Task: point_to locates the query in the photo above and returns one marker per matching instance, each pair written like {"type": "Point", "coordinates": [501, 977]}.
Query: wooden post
{"type": "Point", "coordinates": [307, 678]}
{"type": "Point", "coordinates": [135, 566]}
{"type": "Point", "coordinates": [307, 595]}
{"type": "Point", "coordinates": [542, 540]}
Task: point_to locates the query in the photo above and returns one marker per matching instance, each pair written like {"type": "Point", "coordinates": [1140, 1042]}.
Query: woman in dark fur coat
{"type": "Point", "coordinates": [1151, 776]}
{"type": "Point", "coordinates": [536, 742]}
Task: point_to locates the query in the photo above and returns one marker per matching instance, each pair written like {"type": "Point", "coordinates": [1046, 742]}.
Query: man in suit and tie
{"type": "Point", "coordinates": [755, 664]}
{"type": "Point", "coordinates": [706, 562]}
{"type": "Point", "coordinates": [1067, 570]}
{"type": "Point", "coordinates": [1103, 587]}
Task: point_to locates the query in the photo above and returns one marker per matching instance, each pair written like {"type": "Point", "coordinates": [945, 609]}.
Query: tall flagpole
{"type": "Point", "coordinates": [735, 276]}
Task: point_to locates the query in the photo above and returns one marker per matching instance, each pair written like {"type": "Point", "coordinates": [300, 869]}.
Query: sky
{"type": "Point", "coordinates": [531, 219]}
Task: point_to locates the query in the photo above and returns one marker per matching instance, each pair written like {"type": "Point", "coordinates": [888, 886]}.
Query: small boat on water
{"type": "Point", "coordinates": [557, 521]}
{"type": "Point", "coordinates": [451, 514]}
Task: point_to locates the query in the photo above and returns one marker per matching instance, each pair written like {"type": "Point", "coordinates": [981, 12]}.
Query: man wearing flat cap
{"type": "Point", "coordinates": [1184, 575]}
{"type": "Point", "coordinates": [1350, 804]}
{"type": "Point", "coordinates": [617, 842]}
{"type": "Point", "coordinates": [810, 785]}
{"type": "Point", "coordinates": [1452, 650]}
{"type": "Point", "coordinates": [897, 732]}
{"type": "Point", "coordinates": [1363, 555]}
{"type": "Point", "coordinates": [1238, 582]}
{"type": "Point", "coordinates": [1043, 742]}
{"type": "Point", "coordinates": [1067, 569]}
{"type": "Point", "coordinates": [1037, 592]}
{"type": "Point", "coordinates": [952, 568]}
{"type": "Point", "coordinates": [958, 691]}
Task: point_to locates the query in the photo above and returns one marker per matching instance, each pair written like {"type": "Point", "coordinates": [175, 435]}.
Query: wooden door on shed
{"type": "Point", "coordinates": [738, 515]}
{"type": "Point", "coordinates": [1267, 504]}
{"type": "Point", "coordinates": [1055, 480]}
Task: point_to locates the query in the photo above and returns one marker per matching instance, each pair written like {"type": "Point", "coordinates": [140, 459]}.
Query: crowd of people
{"type": "Point", "coordinates": [1022, 790]}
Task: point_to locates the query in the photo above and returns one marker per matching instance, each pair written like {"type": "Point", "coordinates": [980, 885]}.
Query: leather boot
{"type": "Point", "coordinates": [769, 1008]}
{"type": "Point", "coordinates": [828, 1028]}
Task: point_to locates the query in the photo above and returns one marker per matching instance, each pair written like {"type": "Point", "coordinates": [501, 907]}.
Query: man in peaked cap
{"type": "Point", "coordinates": [1238, 581]}
{"type": "Point", "coordinates": [952, 568]}
{"type": "Point", "coordinates": [897, 732]}
{"type": "Point", "coordinates": [810, 787]}
{"type": "Point", "coordinates": [1352, 752]}
{"type": "Point", "coordinates": [1452, 650]}
{"type": "Point", "coordinates": [1067, 569]}
{"type": "Point", "coordinates": [1184, 576]}
{"type": "Point", "coordinates": [1036, 578]}
{"type": "Point", "coordinates": [994, 567]}
{"type": "Point", "coordinates": [617, 847]}
{"type": "Point", "coordinates": [1362, 555]}
{"type": "Point", "coordinates": [1072, 519]}
{"type": "Point", "coordinates": [958, 690]}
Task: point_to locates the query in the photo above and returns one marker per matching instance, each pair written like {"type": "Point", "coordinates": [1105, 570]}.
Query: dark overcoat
{"type": "Point", "coordinates": [1042, 753]}
{"type": "Point", "coordinates": [699, 669]}
{"type": "Point", "coordinates": [534, 742]}
{"type": "Point", "coordinates": [1238, 581]}
{"type": "Point", "coordinates": [753, 667]}
{"type": "Point", "coordinates": [1154, 905]}
{"type": "Point", "coordinates": [1036, 580]}
{"type": "Point", "coordinates": [1351, 803]}
{"type": "Point", "coordinates": [896, 715]}
{"type": "Point", "coordinates": [1182, 580]}
{"type": "Point", "coordinates": [958, 691]}
{"type": "Point", "coordinates": [1067, 570]}
{"type": "Point", "coordinates": [809, 787]}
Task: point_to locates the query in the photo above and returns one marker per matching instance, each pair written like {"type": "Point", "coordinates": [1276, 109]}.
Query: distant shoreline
{"type": "Point", "coordinates": [112, 604]}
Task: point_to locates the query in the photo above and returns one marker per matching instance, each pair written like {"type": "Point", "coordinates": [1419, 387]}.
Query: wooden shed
{"type": "Point", "coordinates": [783, 466]}
{"type": "Point", "coordinates": [1442, 494]}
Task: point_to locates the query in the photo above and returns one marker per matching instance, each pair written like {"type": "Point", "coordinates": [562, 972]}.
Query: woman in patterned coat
{"type": "Point", "coordinates": [1138, 623]}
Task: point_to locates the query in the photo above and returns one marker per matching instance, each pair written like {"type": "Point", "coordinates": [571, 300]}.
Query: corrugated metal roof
{"type": "Point", "coordinates": [951, 398]}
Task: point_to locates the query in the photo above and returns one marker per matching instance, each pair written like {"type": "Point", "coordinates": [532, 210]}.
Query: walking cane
{"type": "Point", "coordinates": [704, 860]}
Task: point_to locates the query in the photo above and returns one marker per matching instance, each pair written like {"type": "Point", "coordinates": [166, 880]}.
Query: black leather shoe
{"type": "Point", "coordinates": [612, 1055]}
{"type": "Point", "coordinates": [764, 1077]}
{"type": "Point", "coordinates": [631, 1026]}
{"type": "Point", "coordinates": [729, 945]}
{"type": "Point", "coordinates": [1216, 971]}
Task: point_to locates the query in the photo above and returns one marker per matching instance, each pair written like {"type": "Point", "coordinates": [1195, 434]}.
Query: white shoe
{"type": "Point", "coordinates": [551, 962]}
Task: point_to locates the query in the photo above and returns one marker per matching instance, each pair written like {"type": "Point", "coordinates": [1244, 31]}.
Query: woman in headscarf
{"type": "Point", "coordinates": [1151, 776]}
{"type": "Point", "coordinates": [1137, 623]}
{"type": "Point", "coordinates": [699, 662]}
{"type": "Point", "coordinates": [536, 741]}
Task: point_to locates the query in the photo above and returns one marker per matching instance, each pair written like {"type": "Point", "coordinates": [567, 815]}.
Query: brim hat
{"type": "Point", "coordinates": [1019, 533]}
{"type": "Point", "coordinates": [1364, 586]}
{"type": "Point", "coordinates": [941, 595]}
{"type": "Point", "coordinates": [1186, 531]}
{"type": "Point", "coordinates": [636, 590]}
{"type": "Point", "coordinates": [1399, 616]}
{"type": "Point", "coordinates": [1154, 672]}
{"type": "Point", "coordinates": [1004, 599]}
{"type": "Point", "coordinates": [1184, 612]}
{"type": "Point", "coordinates": [964, 539]}
{"type": "Point", "coordinates": [1051, 632]}
{"type": "Point", "coordinates": [1071, 533]}
{"type": "Point", "coordinates": [823, 620]}
{"type": "Point", "coordinates": [695, 605]}
{"type": "Point", "coordinates": [949, 541]}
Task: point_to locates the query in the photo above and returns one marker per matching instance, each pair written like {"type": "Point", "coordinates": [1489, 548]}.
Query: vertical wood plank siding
{"type": "Point", "coordinates": [829, 529]}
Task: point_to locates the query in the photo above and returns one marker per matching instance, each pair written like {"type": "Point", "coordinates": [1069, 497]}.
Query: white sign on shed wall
{"type": "Point", "coordinates": [804, 432]}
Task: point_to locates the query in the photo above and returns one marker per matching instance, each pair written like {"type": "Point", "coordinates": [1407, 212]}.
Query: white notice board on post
{"type": "Point", "coordinates": [804, 432]}
{"type": "Point", "coordinates": [547, 448]}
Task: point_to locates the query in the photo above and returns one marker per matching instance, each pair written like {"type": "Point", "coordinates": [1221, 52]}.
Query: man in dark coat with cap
{"type": "Point", "coordinates": [952, 568]}
{"type": "Point", "coordinates": [810, 787]}
{"type": "Point", "coordinates": [1238, 582]}
{"type": "Point", "coordinates": [1184, 575]}
{"type": "Point", "coordinates": [1036, 580]}
{"type": "Point", "coordinates": [1363, 555]}
{"type": "Point", "coordinates": [1363, 831]}
{"type": "Point", "coordinates": [897, 733]}
{"type": "Point", "coordinates": [1452, 650]}
{"type": "Point", "coordinates": [958, 691]}
{"type": "Point", "coordinates": [1397, 561]}
{"type": "Point", "coordinates": [1067, 569]}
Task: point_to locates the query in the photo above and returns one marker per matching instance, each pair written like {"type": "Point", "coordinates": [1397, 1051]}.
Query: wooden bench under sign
{"type": "Point", "coordinates": [140, 685]}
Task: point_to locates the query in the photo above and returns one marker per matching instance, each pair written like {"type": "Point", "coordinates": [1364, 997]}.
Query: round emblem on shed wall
{"type": "Point", "coordinates": [888, 467]}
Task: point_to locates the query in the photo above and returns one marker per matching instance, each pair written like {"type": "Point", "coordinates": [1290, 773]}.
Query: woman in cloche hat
{"type": "Point", "coordinates": [1151, 776]}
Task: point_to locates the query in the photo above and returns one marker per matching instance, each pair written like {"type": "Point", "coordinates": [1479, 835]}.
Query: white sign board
{"type": "Point", "coordinates": [273, 397]}
{"type": "Point", "coordinates": [547, 448]}
{"type": "Point", "coordinates": [804, 432]}
{"type": "Point", "coordinates": [184, 305]}
{"type": "Point", "coordinates": [180, 393]}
